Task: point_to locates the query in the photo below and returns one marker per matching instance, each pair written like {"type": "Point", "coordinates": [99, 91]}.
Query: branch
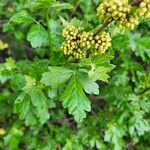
{"type": "Point", "coordinates": [2, 86]}
{"type": "Point", "coordinates": [75, 8]}
{"type": "Point", "coordinates": [4, 20]}
{"type": "Point", "coordinates": [144, 91]}
{"type": "Point", "coordinates": [107, 22]}
{"type": "Point", "coordinates": [136, 2]}
{"type": "Point", "coordinates": [101, 27]}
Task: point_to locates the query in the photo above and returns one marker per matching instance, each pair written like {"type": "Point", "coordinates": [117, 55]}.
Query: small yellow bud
{"type": "Point", "coordinates": [144, 9]}
{"type": "Point", "coordinates": [143, 4]}
{"type": "Point", "coordinates": [2, 131]}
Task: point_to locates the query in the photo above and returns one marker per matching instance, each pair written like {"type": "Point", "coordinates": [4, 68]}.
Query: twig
{"type": "Point", "coordinates": [144, 91]}
{"type": "Point", "coordinates": [136, 2]}
{"type": "Point", "coordinates": [4, 20]}
{"type": "Point", "coordinates": [2, 86]}
{"type": "Point", "coordinates": [75, 8]}
{"type": "Point", "coordinates": [94, 98]}
{"type": "Point", "coordinates": [100, 28]}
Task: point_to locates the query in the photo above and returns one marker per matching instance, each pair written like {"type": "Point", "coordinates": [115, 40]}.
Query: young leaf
{"type": "Point", "coordinates": [64, 22]}
{"type": "Point", "coordinates": [10, 63]}
{"type": "Point", "coordinates": [37, 36]}
{"type": "Point", "coordinates": [98, 60]}
{"type": "Point", "coordinates": [56, 76]}
{"type": "Point", "coordinates": [29, 82]}
{"type": "Point", "coordinates": [100, 73]}
{"type": "Point", "coordinates": [21, 17]}
{"type": "Point", "coordinates": [75, 100]}
{"type": "Point", "coordinates": [89, 85]}
{"type": "Point", "coordinates": [62, 6]}
{"type": "Point", "coordinates": [102, 59]}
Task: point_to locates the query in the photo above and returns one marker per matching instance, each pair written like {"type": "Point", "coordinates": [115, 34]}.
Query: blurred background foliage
{"type": "Point", "coordinates": [120, 114]}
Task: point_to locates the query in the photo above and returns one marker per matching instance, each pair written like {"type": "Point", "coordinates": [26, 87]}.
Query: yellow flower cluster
{"type": "Point", "coordinates": [77, 42]}
{"type": "Point", "coordinates": [86, 40]}
{"type": "Point", "coordinates": [3, 45]}
{"type": "Point", "coordinates": [116, 9]}
{"type": "Point", "coordinates": [129, 22]}
{"type": "Point", "coordinates": [144, 9]}
{"type": "Point", "coordinates": [119, 11]}
{"type": "Point", "coordinates": [102, 42]}
{"type": "Point", "coordinates": [71, 32]}
{"type": "Point", "coordinates": [71, 46]}
{"type": "Point", "coordinates": [2, 131]}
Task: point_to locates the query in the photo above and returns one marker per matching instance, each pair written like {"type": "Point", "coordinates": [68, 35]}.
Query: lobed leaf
{"type": "Point", "coordinates": [21, 17]}
{"type": "Point", "coordinates": [56, 76]}
{"type": "Point", "coordinates": [37, 36]}
{"type": "Point", "coordinates": [89, 85]}
{"type": "Point", "coordinates": [62, 6]}
{"type": "Point", "coordinates": [22, 105]}
{"type": "Point", "coordinates": [75, 100]}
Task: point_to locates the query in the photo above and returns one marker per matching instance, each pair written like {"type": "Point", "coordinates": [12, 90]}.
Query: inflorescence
{"type": "Point", "coordinates": [121, 11]}
{"type": "Point", "coordinates": [144, 9]}
{"type": "Point", "coordinates": [77, 42]}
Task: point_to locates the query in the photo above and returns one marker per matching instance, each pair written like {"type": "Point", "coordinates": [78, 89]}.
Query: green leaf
{"type": "Point", "coordinates": [100, 73]}
{"type": "Point", "coordinates": [30, 82]}
{"type": "Point", "coordinates": [18, 82]}
{"type": "Point", "coordinates": [138, 125]}
{"type": "Point", "coordinates": [37, 36]}
{"type": "Point", "coordinates": [5, 75]}
{"type": "Point", "coordinates": [46, 1]}
{"type": "Point", "coordinates": [114, 135]}
{"type": "Point", "coordinates": [99, 60]}
{"type": "Point", "coordinates": [89, 85]}
{"type": "Point", "coordinates": [22, 104]}
{"type": "Point", "coordinates": [144, 41]}
{"type": "Point", "coordinates": [38, 98]}
{"type": "Point", "coordinates": [52, 93]}
{"type": "Point", "coordinates": [75, 100]}
{"type": "Point", "coordinates": [64, 22]}
{"type": "Point", "coordinates": [21, 17]}
{"type": "Point", "coordinates": [13, 138]}
{"type": "Point", "coordinates": [68, 145]}
{"type": "Point", "coordinates": [100, 66]}
{"type": "Point", "coordinates": [10, 63]}
{"type": "Point", "coordinates": [62, 6]}
{"type": "Point", "coordinates": [102, 59]}
{"type": "Point", "coordinates": [120, 41]}
{"type": "Point", "coordinates": [30, 119]}
{"type": "Point", "coordinates": [140, 45]}
{"type": "Point", "coordinates": [42, 114]}
{"type": "Point", "coordinates": [56, 76]}
{"type": "Point", "coordinates": [55, 34]}
{"type": "Point", "coordinates": [41, 4]}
